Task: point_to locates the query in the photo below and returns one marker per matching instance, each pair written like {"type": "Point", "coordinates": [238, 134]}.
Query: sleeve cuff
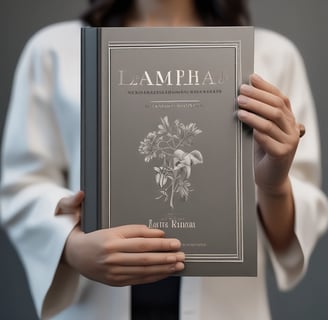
{"type": "Point", "coordinates": [40, 245]}
{"type": "Point", "coordinates": [311, 218]}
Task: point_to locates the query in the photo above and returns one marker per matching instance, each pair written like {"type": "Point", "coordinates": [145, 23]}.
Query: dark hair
{"type": "Point", "coordinates": [112, 13]}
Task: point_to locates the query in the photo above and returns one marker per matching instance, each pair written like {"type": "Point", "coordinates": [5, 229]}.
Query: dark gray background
{"type": "Point", "coordinates": [303, 21]}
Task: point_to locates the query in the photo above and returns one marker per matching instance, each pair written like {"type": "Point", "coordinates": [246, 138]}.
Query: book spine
{"type": "Point", "coordinates": [90, 130]}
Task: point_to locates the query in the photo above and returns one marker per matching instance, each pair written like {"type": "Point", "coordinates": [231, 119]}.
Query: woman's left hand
{"type": "Point", "coordinates": [276, 133]}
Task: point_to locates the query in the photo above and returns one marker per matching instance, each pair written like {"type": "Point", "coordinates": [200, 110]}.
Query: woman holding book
{"type": "Point", "coordinates": [73, 275]}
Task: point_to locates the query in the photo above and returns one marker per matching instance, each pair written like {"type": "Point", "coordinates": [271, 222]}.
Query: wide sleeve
{"type": "Point", "coordinates": [34, 174]}
{"type": "Point", "coordinates": [311, 206]}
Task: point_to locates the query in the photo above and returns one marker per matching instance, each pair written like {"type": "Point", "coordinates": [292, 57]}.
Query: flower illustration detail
{"type": "Point", "coordinates": [166, 145]}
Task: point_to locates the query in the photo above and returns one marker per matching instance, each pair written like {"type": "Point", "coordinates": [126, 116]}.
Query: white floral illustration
{"type": "Point", "coordinates": [166, 146]}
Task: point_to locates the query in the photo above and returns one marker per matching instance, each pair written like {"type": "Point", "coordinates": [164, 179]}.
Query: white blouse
{"type": "Point", "coordinates": [41, 164]}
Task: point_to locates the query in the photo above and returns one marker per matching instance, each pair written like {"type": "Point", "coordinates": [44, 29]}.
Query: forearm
{"type": "Point", "coordinates": [277, 215]}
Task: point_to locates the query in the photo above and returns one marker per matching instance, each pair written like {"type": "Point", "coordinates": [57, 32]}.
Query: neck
{"type": "Point", "coordinates": [164, 13]}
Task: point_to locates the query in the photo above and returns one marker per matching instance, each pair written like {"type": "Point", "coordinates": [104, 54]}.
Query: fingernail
{"type": "Point", "coordinates": [172, 268]}
{"type": "Point", "coordinates": [242, 114]}
{"type": "Point", "coordinates": [242, 100]}
{"type": "Point", "coordinates": [175, 244]}
{"type": "Point", "coordinates": [255, 77]}
{"type": "Point", "coordinates": [245, 88]}
{"type": "Point", "coordinates": [179, 266]}
{"type": "Point", "coordinates": [181, 256]}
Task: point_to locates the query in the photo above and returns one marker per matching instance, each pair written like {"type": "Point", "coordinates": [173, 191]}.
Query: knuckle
{"type": "Point", "coordinates": [142, 228]}
{"type": "Point", "coordinates": [114, 271]}
{"type": "Point", "coordinates": [286, 100]}
{"type": "Point", "coordinates": [164, 245]}
{"type": "Point", "coordinates": [109, 247]}
{"type": "Point", "coordinates": [111, 259]}
{"type": "Point", "coordinates": [277, 115]}
{"type": "Point", "coordinates": [268, 127]}
{"type": "Point", "coordinates": [145, 260]}
{"type": "Point", "coordinates": [280, 103]}
{"type": "Point", "coordinates": [143, 246]}
{"type": "Point", "coordinates": [144, 269]}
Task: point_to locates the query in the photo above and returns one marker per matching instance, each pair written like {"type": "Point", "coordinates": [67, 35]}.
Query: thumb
{"type": "Point", "coordinates": [70, 205]}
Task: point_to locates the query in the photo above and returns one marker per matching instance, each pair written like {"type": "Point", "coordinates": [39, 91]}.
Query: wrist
{"type": "Point", "coordinates": [70, 248]}
{"type": "Point", "coordinates": [275, 191]}
{"type": "Point", "coordinates": [277, 215]}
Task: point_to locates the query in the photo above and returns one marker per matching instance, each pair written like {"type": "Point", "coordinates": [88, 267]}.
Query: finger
{"type": "Point", "coordinates": [149, 279]}
{"type": "Point", "coordinates": [261, 84]}
{"type": "Point", "coordinates": [70, 204]}
{"type": "Point", "coordinates": [271, 146]}
{"type": "Point", "coordinates": [144, 259]}
{"type": "Point", "coordinates": [263, 96]}
{"type": "Point", "coordinates": [281, 119]}
{"type": "Point", "coordinates": [138, 245]}
{"type": "Point", "coordinates": [262, 125]}
{"type": "Point", "coordinates": [145, 271]}
{"type": "Point", "coordinates": [136, 231]}
{"type": "Point", "coordinates": [132, 280]}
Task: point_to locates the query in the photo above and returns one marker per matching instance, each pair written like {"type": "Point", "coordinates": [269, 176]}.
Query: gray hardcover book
{"type": "Point", "coordinates": [161, 144]}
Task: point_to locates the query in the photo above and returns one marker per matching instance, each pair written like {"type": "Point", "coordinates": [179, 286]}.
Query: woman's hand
{"type": "Point", "coordinates": [276, 133]}
{"type": "Point", "coordinates": [126, 255]}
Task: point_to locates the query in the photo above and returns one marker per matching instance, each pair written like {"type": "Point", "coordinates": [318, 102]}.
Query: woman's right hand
{"type": "Point", "coordinates": [120, 256]}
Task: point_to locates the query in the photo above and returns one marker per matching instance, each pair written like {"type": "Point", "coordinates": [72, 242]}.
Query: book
{"type": "Point", "coordinates": [160, 142]}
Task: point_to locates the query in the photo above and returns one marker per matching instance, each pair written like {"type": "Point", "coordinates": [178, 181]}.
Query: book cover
{"type": "Point", "coordinates": [161, 145]}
